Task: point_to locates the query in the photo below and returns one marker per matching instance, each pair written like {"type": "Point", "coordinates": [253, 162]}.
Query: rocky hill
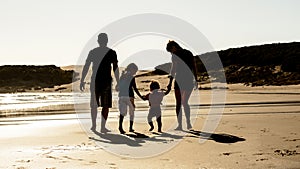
{"type": "Point", "coordinates": [269, 64]}
{"type": "Point", "coordinates": [21, 77]}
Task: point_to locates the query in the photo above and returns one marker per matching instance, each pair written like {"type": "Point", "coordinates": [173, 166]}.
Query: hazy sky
{"type": "Point", "coordinates": [55, 32]}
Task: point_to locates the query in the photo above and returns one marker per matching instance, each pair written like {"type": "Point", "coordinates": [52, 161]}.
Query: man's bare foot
{"type": "Point", "coordinates": [189, 127]}
{"type": "Point", "coordinates": [93, 128]}
{"type": "Point", "coordinates": [105, 130]}
{"type": "Point", "coordinates": [178, 128]}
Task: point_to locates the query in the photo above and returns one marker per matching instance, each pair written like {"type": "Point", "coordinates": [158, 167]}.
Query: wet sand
{"type": "Point", "coordinates": [258, 129]}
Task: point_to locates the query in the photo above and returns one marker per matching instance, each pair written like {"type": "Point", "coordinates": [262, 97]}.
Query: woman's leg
{"type": "Point", "coordinates": [185, 96]}
{"type": "Point", "coordinates": [178, 109]}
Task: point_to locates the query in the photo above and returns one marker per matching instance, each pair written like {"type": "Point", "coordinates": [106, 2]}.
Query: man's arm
{"type": "Point", "coordinates": [116, 72]}
{"type": "Point", "coordinates": [84, 73]}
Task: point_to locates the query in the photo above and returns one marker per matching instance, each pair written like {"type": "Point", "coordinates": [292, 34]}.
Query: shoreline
{"type": "Point", "coordinates": [259, 128]}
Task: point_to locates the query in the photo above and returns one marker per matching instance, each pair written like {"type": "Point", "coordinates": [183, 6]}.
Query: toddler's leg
{"type": "Point", "coordinates": [150, 121]}
{"type": "Point", "coordinates": [159, 123]}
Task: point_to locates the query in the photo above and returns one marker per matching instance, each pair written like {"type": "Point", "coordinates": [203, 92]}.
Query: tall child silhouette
{"type": "Point", "coordinates": [126, 87]}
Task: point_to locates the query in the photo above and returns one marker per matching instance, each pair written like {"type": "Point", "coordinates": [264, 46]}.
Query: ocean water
{"type": "Point", "coordinates": [19, 101]}
{"type": "Point", "coordinates": [17, 104]}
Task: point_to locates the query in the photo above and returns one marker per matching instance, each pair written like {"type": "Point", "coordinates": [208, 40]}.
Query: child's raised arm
{"type": "Point", "coordinates": [168, 91]}
{"type": "Point", "coordinates": [135, 88]}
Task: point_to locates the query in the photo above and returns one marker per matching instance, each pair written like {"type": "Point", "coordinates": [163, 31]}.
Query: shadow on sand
{"type": "Point", "coordinates": [134, 139]}
{"type": "Point", "coordinates": [220, 138]}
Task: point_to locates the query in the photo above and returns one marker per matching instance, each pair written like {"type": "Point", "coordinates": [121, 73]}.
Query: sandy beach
{"type": "Point", "coordinates": [258, 129]}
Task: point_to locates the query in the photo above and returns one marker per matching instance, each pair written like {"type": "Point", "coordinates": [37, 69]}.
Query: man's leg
{"type": "Point", "coordinates": [106, 103]}
{"type": "Point", "coordinates": [94, 105]}
{"type": "Point", "coordinates": [104, 113]}
{"type": "Point", "coordinates": [94, 117]}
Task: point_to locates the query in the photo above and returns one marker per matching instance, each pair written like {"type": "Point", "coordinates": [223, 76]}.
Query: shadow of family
{"type": "Point", "coordinates": [136, 139]}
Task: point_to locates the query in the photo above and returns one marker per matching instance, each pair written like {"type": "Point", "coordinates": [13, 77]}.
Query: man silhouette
{"type": "Point", "coordinates": [101, 58]}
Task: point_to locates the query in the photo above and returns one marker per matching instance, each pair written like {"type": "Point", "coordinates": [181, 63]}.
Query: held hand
{"type": "Point", "coordinates": [82, 86]}
{"type": "Point", "coordinates": [170, 82]}
{"type": "Point", "coordinates": [117, 87]}
{"type": "Point", "coordinates": [144, 97]}
{"type": "Point", "coordinates": [169, 86]}
{"type": "Point", "coordinates": [195, 85]}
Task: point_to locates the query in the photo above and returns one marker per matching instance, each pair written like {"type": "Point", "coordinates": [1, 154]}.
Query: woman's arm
{"type": "Point", "coordinates": [172, 72]}
{"type": "Point", "coordinates": [195, 71]}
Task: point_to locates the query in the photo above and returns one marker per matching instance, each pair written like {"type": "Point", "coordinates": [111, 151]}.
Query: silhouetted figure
{"type": "Point", "coordinates": [183, 70]}
{"type": "Point", "coordinates": [101, 81]}
{"type": "Point", "coordinates": [155, 98]}
{"type": "Point", "coordinates": [126, 87]}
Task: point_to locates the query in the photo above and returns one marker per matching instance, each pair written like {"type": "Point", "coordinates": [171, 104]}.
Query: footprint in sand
{"type": "Point", "coordinates": [292, 139]}
{"type": "Point", "coordinates": [112, 166]}
{"type": "Point", "coordinates": [265, 130]}
{"type": "Point", "coordinates": [49, 156]}
{"type": "Point", "coordinates": [23, 161]}
{"type": "Point", "coordinates": [262, 159]}
{"type": "Point", "coordinates": [229, 153]}
{"type": "Point", "coordinates": [21, 168]}
{"type": "Point", "coordinates": [93, 162]}
{"type": "Point", "coordinates": [258, 154]}
{"type": "Point", "coordinates": [286, 152]}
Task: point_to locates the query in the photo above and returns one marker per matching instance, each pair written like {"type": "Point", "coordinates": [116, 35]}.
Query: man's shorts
{"type": "Point", "coordinates": [101, 96]}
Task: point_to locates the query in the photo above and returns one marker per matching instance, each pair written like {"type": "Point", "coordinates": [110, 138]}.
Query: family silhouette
{"type": "Point", "coordinates": [104, 60]}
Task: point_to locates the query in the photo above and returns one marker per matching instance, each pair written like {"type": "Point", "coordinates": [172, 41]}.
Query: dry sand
{"type": "Point", "coordinates": [259, 129]}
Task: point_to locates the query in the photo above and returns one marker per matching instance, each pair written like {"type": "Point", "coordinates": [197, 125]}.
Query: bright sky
{"type": "Point", "coordinates": [40, 32]}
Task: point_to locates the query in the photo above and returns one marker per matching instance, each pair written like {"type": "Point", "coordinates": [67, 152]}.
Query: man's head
{"type": "Point", "coordinates": [102, 39]}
